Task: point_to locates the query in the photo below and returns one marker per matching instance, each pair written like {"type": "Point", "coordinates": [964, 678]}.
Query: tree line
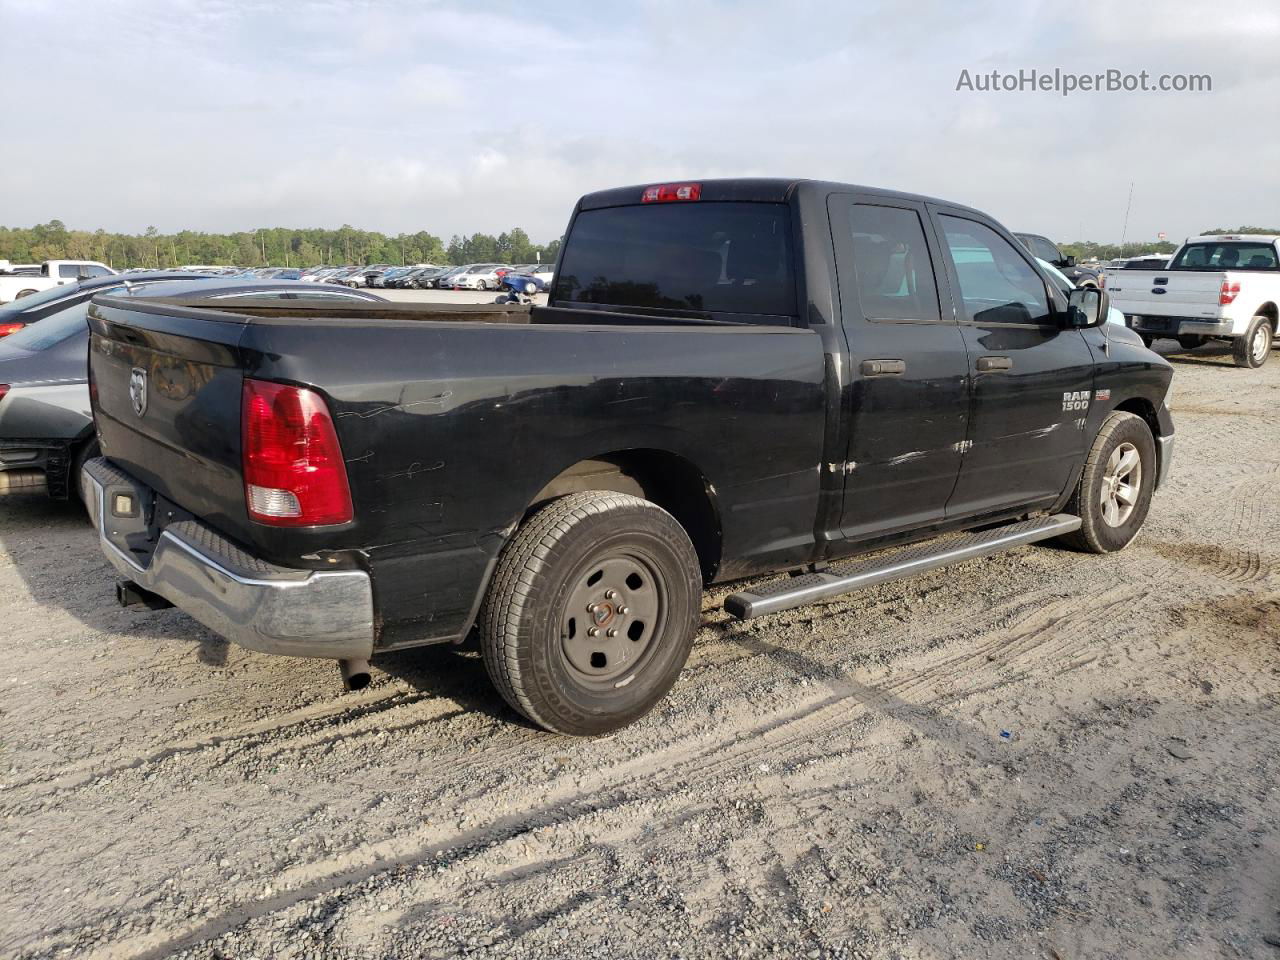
{"type": "Point", "coordinates": [274, 246]}
{"type": "Point", "coordinates": [1086, 249]}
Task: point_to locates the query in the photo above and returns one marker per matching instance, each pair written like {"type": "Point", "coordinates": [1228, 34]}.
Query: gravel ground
{"type": "Point", "coordinates": [1041, 754]}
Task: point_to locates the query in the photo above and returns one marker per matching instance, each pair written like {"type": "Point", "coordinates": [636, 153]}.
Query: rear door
{"type": "Point", "coordinates": [908, 400]}
{"type": "Point", "coordinates": [1032, 381]}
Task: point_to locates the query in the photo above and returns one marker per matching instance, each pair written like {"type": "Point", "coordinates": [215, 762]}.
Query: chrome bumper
{"type": "Point", "coordinates": [1175, 326]}
{"type": "Point", "coordinates": [1166, 460]}
{"type": "Point", "coordinates": [299, 613]}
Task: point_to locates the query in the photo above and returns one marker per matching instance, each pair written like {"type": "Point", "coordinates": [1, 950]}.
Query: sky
{"type": "Point", "coordinates": [458, 117]}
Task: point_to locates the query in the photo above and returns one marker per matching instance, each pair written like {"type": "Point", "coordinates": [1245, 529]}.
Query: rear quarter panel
{"type": "Point", "coordinates": [449, 430]}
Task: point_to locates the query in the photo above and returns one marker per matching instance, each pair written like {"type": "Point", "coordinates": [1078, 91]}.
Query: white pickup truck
{"type": "Point", "coordinates": [52, 273]}
{"type": "Point", "coordinates": [1223, 287]}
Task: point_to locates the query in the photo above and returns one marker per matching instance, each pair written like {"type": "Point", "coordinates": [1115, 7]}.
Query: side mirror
{"type": "Point", "coordinates": [1087, 307]}
{"type": "Point", "coordinates": [1068, 261]}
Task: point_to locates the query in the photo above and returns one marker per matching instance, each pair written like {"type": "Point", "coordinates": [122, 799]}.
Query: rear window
{"type": "Point", "coordinates": [696, 258]}
{"type": "Point", "coordinates": [1225, 256]}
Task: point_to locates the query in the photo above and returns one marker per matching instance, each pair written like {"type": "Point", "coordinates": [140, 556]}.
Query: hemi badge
{"type": "Point", "coordinates": [1104, 394]}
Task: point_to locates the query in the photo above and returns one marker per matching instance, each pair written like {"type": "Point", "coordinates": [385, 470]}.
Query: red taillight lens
{"type": "Point", "coordinates": [4, 388]}
{"type": "Point", "coordinates": [294, 475]}
{"type": "Point", "coordinates": [8, 328]}
{"type": "Point", "coordinates": [668, 192]}
{"type": "Point", "coordinates": [1228, 293]}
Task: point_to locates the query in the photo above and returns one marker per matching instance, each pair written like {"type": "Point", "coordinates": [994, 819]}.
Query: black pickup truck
{"type": "Point", "coordinates": [731, 378]}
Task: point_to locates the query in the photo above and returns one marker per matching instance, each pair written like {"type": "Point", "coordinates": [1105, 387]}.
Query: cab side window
{"type": "Point", "coordinates": [1045, 250]}
{"type": "Point", "coordinates": [892, 264]}
{"type": "Point", "coordinates": [996, 283]}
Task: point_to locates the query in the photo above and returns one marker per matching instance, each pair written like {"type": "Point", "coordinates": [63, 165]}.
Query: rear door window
{"type": "Point", "coordinates": [695, 258]}
{"type": "Point", "coordinates": [892, 264]}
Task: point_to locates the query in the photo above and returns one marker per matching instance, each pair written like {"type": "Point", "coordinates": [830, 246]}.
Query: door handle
{"type": "Point", "coordinates": [992, 364]}
{"type": "Point", "coordinates": [883, 368]}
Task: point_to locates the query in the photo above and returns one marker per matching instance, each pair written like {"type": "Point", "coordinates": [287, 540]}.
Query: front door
{"type": "Point", "coordinates": [1032, 380]}
{"type": "Point", "coordinates": [908, 400]}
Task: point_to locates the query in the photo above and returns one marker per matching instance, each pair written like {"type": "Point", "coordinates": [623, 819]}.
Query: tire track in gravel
{"type": "Point", "coordinates": [336, 713]}
{"type": "Point", "coordinates": [708, 758]}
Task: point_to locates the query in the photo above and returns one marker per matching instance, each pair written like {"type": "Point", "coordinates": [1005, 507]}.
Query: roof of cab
{"type": "Point", "coordinates": [1256, 237]}
{"type": "Point", "coordinates": [751, 189]}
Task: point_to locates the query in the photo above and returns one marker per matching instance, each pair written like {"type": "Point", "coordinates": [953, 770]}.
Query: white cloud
{"type": "Point", "coordinates": [446, 116]}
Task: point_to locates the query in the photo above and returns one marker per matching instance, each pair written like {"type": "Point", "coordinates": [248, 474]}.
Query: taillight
{"type": "Point", "coordinates": [667, 192]}
{"type": "Point", "coordinates": [4, 388]}
{"type": "Point", "coordinates": [1228, 293]}
{"type": "Point", "coordinates": [8, 328]}
{"type": "Point", "coordinates": [294, 475]}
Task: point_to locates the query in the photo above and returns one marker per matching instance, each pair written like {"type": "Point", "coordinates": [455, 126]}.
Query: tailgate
{"type": "Point", "coordinates": [1167, 293]}
{"type": "Point", "coordinates": [166, 397]}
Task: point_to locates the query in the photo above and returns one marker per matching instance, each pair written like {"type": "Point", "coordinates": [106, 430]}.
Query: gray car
{"type": "Point", "coordinates": [46, 426]}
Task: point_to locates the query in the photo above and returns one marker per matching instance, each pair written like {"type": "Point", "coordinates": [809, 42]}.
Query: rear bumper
{"type": "Point", "coordinates": [258, 605]}
{"type": "Point", "coordinates": [1175, 326]}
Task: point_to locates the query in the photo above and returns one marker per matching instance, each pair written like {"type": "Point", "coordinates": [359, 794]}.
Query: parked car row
{"type": "Point", "coordinates": [46, 427]}
{"type": "Point", "coordinates": [427, 276]}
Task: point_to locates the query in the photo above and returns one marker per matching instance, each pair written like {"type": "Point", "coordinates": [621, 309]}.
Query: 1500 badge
{"type": "Point", "coordinates": [1076, 400]}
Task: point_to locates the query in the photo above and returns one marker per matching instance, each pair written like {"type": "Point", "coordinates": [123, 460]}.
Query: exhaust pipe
{"type": "Point", "coordinates": [22, 481]}
{"type": "Point", "coordinates": [355, 674]}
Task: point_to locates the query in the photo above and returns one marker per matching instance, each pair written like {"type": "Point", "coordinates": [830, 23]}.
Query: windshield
{"type": "Point", "coordinates": [1220, 255]}
{"type": "Point", "coordinates": [52, 330]}
{"type": "Point", "coordinates": [688, 257]}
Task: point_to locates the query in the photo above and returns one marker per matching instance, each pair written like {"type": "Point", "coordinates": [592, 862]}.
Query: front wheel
{"type": "Point", "coordinates": [481, 285]}
{"type": "Point", "coordinates": [591, 612]}
{"type": "Point", "coordinates": [23, 293]}
{"type": "Point", "coordinates": [1252, 349]}
{"type": "Point", "coordinates": [1114, 492]}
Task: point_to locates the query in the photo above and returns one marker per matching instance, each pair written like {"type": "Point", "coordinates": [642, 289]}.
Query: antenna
{"type": "Point", "coordinates": [1124, 232]}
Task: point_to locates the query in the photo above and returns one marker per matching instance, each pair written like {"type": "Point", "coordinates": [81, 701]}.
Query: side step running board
{"type": "Point", "coordinates": [907, 562]}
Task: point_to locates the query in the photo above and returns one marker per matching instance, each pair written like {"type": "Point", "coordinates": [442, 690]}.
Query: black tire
{"type": "Point", "coordinates": [533, 643]}
{"type": "Point", "coordinates": [482, 285]}
{"type": "Point", "coordinates": [1252, 350]}
{"type": "Point", "coordinates": [1189, 341]}
{"type": "Point", "coordinates": [1097, 533]}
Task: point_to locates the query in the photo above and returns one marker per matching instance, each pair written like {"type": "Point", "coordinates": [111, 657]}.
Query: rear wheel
{"type": "Point", "coordinates": [591, 612]}
{"type": "Point", "coordinates": [1114, 492]}
{"type": "Point", "coordinates": [1252, 349]}
{"type": "Point", "coordinates": [1189, 341]}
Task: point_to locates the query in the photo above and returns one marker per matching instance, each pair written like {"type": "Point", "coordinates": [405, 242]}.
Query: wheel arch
{"type": "Point", "coordinates": [1144, 408]}
{"type": "Point", "coordinates": [1269, 311]}
{"type": "Point", "coordinates": [667, 479]}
